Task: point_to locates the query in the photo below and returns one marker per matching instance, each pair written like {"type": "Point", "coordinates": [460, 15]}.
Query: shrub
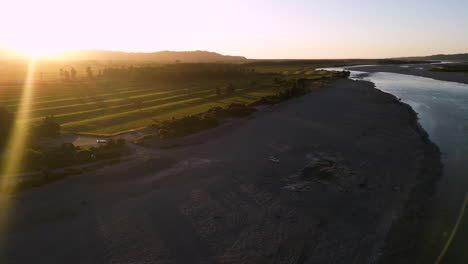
{"type": "Point", "coordinates": [47, 128]}
{"type": "Point", "coordinates": [452, 68]}
{"type": "Point", "coordinates": [113, 148]}
{"type": "Point", "coordinates": [69, 155]}
{"type": "Point", "coordinates": [239, 110]}
{"type": "Point", "coordinates": [63, 156]}
{"type": "Point", "coordinates": [84, 156]}
{"type": "Point", "coordinates": [271, 99]}
{"type": "Point", "coordinates": [233, 110]}
{"type": "Point", "coordinates": [140, 140]}
{"type": "Point", "coordinates": [195, 123]}
{"type": "Point", "coordinates": [229, 89]}
{"type": "Point", "coordinates": [186, 125]}
{"type": "Point", "coordinates": [34, 159]}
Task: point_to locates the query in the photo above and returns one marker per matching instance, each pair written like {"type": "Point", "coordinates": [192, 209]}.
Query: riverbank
{"type": "Point", "coordinates": [441, 108]}
{"type": "Point", "coordinates": [422, 70]}
{"type": "Point", "coordinates": [403, 242]}
{"type": "Point", "coordinates": [225, 200]}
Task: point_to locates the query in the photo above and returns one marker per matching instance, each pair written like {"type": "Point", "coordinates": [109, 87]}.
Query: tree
{"type": "Point", "coordinates": [89, 73]}
{"type": "Point", "coordinates": [48, 127]}
{"type": "Point", "coordinates": [66, 76]}
{"type": "Point", "coordinates": [229, 89]}
{"type": "Point", "coordinates": [73, 74]}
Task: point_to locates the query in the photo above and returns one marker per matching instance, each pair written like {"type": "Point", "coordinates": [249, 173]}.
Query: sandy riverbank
{"type": "Point", "coordinates": [422, 70]}
{"type": "Point", "coordinates": [223, 201]}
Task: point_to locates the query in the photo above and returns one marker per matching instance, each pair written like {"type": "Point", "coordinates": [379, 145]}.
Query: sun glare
{"type": "Point", "coordinates": [12, 162]}
{"type": "Point", "coordinates": [39, 50]}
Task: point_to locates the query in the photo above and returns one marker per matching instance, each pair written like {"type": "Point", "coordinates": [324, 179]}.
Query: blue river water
{"type": "Point", "coordinates": [442, 109]}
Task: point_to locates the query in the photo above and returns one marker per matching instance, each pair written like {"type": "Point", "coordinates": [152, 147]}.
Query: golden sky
{"type": "Point", "coordinates": [255, 29]}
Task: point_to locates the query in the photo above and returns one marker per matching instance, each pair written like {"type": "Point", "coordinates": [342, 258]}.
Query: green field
{"type": "Point", "coordinates": [111, 106]}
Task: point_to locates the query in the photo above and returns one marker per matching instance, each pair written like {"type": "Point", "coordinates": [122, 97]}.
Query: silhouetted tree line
{"type": "Point", "coordinates": [68, 75]}
{"type": "Point", "coordinates": [328, 63]}
{"type": "Point", "coordinates": [299, 62]}
{"type": "Point", "coordinates": [170, 72]}
{"type": "Point", "coordinates": [393, 61]}
{"type": "Point", "coordinates": [72, 74]}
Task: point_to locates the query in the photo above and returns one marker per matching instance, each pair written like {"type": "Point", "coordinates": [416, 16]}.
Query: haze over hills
{"type": "Point", "coordinates": [446, 57]}
{"type": "Point", "coordinates": [7, 53]}
{"type": "Point", "coordinates": [159, 56]}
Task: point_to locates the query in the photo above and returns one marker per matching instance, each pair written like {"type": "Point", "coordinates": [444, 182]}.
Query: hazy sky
{"type": "Point", "coordinates": [256, 29]}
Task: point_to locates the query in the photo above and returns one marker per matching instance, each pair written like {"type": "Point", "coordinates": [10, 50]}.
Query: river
{"type": "Point", "coordinates": [442, 108]}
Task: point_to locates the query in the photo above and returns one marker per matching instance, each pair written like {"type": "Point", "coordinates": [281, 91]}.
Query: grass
{"type": "Point", "coordinates": [112, 106]}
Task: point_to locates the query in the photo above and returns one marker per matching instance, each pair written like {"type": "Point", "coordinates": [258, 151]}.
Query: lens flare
{"type": "Point", "coordinates": [14, 157]}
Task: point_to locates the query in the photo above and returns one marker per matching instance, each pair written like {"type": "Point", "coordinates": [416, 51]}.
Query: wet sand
{"type": "Point", "coordinates": [222, 200]}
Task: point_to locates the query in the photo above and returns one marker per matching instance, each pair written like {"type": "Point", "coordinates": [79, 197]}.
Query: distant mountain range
{"type": "Point", "coordinates": [7, 53]}
{"type": "Point", "coordinates": [160, 56]}
{"type": "Point", "coordinates": [441, 57]}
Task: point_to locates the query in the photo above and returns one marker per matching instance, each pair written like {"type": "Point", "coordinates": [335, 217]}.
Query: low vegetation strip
{"type": "Point", "coordinates": [452, 68]}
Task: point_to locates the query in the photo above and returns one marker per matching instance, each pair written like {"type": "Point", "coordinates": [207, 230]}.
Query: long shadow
{"type": "Point", "coordinates": [150, 112]}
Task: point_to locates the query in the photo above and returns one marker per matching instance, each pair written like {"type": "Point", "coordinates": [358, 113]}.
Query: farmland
{"type": "Point", "coordinates": [116, 103]}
